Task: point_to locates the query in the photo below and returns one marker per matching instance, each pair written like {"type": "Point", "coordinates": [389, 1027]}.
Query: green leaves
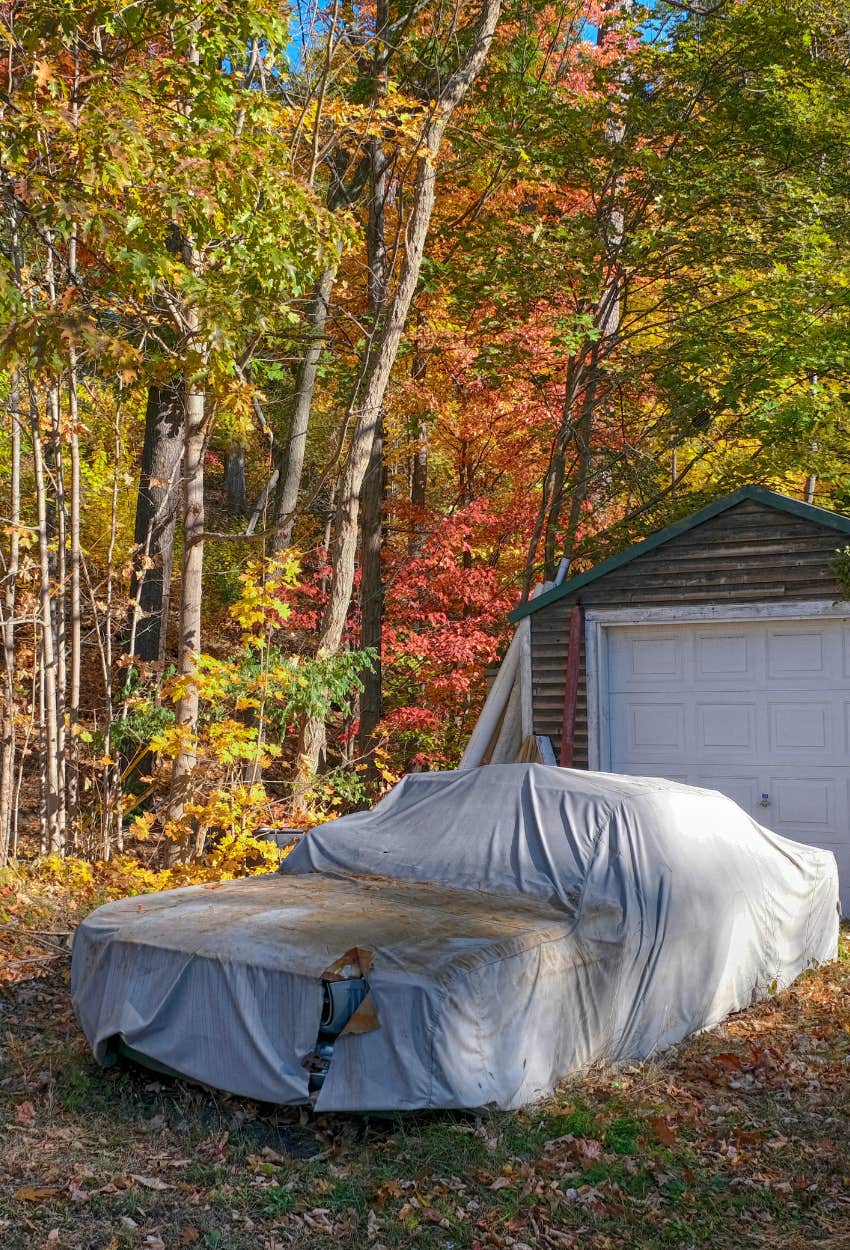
{"type": "Point", "coordinates": [161, 149]}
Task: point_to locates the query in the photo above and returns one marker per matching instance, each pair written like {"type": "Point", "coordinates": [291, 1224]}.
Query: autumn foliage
{"type": "Point", "coordinates": [324, 341]}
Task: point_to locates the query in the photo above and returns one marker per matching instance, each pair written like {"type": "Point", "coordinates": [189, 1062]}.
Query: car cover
{"type": "Point", "coordinates": [515, 923]}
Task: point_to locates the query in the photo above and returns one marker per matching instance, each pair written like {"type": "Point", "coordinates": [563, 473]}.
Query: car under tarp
{"type": "Point", "coordinates": [513, 924]}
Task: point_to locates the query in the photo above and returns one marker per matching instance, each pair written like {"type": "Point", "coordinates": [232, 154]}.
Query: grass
{"type": "Point", "coordinates": [737, 1138]}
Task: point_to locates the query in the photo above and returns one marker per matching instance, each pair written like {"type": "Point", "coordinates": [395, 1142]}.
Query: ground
{"type": "Point", "coordinates": [740, 1137]}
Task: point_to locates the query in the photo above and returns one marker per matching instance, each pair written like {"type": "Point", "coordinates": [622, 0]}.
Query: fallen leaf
{"type": "Point", "coordinates": [29, 1193]}
{"type": "Point", "coordinates": [24, 1113]}
{"type": "Point", "coordinates": [588, 1150]}
{"type": "Point", "coordinates": [663, 1130]}
{"type": "Point", "coordinates": [728, 1060]}
{"type": "Point", "coordinates": [188, 1236]}
{"type": "Point", "coordinates": [213, 885]}
{"type": "Point", "coordinates": [501, 1182]}
{"type": "Point", "coordinates": [149, 1182]}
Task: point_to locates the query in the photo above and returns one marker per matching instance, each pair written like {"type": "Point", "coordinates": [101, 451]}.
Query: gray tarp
{"type": "Point", "coordinates": [524, 921]}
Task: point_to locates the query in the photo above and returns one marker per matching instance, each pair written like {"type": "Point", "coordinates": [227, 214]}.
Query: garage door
{"type": "Point", "coordinates": [758, 710]}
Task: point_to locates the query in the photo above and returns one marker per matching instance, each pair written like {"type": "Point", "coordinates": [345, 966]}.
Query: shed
{"type": "Point", "coordinates": [715, 652]}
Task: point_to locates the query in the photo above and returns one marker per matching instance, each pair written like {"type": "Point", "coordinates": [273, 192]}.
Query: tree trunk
{"type": "Point", "coordinates": [57, 524]}
{"type": "Point", "coordinates": [372, 592]}
{"type": "Point", "coordinates": [372, 495]}
{"type": "Point", "coordinates": [304, 388]}
{"type": "Point", "coordinates": [234, 479]}
{"type": "Point", "coordinates": [8, 741]}
{"type": "Point", "coordinates": [156, 517]}
{"type": "Point", "coordinates": [186, 711]}
{"type": "Point", "coordinates": [365, 407]}
{"type": "Point", "coordinates": [53, 831]}
{"type": "Point", "coordinates": [72, 773]}
{"type": "Point", "coordinates": [418, 468]}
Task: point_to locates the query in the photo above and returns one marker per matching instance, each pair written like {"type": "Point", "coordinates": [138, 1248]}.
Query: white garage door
{"type": "Point", "coordinates": [759, 710]}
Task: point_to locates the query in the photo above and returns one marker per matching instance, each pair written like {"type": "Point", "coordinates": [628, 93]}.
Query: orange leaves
{"type": "Point", "coordinates": [43, 74]}
{"type": "Point", "coordinates": [24, 1113]}
{"type": "Point", "coordinates": [663, 1130]}
{"type": "Point", "coordinates": [37, 1193]}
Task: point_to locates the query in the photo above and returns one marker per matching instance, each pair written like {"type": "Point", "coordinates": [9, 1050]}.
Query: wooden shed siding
{"type": "Point", "coordinates": [749, 554]}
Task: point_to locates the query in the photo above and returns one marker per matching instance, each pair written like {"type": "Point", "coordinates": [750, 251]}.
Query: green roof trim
{"type": "Point", "coordinates": [757, 494]}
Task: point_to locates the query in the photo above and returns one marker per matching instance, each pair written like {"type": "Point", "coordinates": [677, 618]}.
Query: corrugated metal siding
{"type": "Point", "coordinates": [749, 554]}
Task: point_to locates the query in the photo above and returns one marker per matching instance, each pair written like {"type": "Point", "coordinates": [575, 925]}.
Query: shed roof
{"type": "Point", "coordinates": [758, 494]}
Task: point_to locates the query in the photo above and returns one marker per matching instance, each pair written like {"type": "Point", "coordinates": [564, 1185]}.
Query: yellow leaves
{"type": "Point", "coordinates": [172, 741]}
{"type": "Point", "coordinates": [76, 874]}
{"type": "Point", "coordinates": [382, 766]}
{"type": "Point", "coordinates": [230, 740]}
{"type": "Point", "coordinates": [141, 827]}
{"type": "Point", "coordinates": [211, 678]}
{"type": "Point", "coordinates": [25, 535]}
{"type": "Point", "coordinates": [262, 605]}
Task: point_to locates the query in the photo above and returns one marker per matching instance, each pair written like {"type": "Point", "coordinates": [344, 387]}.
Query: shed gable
{"type": "Point", "coordinates": [751, 552]}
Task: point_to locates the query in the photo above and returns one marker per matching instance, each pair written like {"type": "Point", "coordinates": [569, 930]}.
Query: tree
{"type": "Point", "coordinates": [364, 406]}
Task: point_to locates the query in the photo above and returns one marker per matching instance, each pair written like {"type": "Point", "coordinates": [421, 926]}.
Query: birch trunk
{"type": "Point", "coordinates": [371, 525]}
{"type": "Point", "coordinates": [372, 594]}
{"type": "Point", "coordinates": [72, 777]}
{"type": "Point", "coordinates": [53, 832]}
{"type": "Point", "coordinates": [304, 390]}
{"type": "Point", "coordinates": [8, 743]}
{"type": "Point", "coordinates": [75, 555]}
{"type": "Point", "coordinates": [186, 711]}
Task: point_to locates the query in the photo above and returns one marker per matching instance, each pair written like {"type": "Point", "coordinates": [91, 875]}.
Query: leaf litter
{"type": "Point", "coordinates": [737, 1138]}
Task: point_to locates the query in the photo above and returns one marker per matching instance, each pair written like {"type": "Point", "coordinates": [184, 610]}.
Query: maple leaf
{"type": "Point", "coordinates": [43, 73]}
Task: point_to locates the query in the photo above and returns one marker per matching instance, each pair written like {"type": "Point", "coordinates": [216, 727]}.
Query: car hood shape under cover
{"type": "Point", "coordinates": [515, 923]}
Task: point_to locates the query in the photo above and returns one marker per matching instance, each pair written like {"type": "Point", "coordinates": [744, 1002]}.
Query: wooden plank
{"type": "Point", "coordinates": [524, 679]}
{"type": "Point", "coordinates": [571, 686]}
{"type": "Point", "coordinates": [715, 541]}
{"type": "Point", "coordinates": [776, 557]}
{"type": "Point", "coordinates": [710, 578]}
{"type": "Point", "coordinates": [725, 594]}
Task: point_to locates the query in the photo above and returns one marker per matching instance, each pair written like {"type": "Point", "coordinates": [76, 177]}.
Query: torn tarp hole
{"type": "Point", "coordinates": [348, 1007]}
{"type": "Point", "coordinates": [356, 962]}
{"type": "Point", "coordinates": [357, 1013]}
